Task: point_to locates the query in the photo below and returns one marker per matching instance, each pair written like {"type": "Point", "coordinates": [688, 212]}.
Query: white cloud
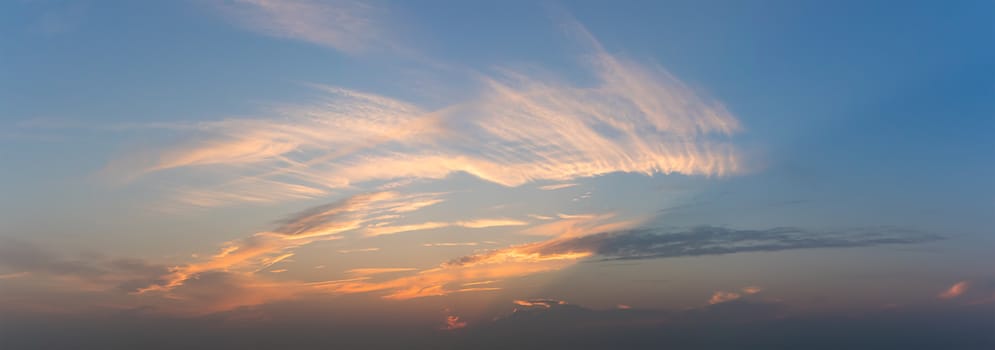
{"type": "Point", "coordinates": [345, 25]}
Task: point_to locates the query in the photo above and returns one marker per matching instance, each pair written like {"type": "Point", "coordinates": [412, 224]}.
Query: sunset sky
{"type": "Point", "coordinates": [504, 174]}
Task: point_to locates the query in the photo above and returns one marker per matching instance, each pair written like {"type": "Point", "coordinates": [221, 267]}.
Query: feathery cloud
{"type": "Point", "coordinates": [345, 25]}
{"type": "Point", "coordinates": [634, 118]}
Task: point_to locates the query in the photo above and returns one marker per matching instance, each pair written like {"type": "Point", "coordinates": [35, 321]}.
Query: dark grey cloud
{"type": "Point", "coordinates": [712, 240]}
{"type": "Point", "coordinates": [312, 218]}
{"type": "Point", "coordinates": [127, 274]}
{"type": "Point", "coordinates": [652, 243]}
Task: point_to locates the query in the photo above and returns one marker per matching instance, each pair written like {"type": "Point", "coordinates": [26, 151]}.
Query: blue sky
{"type": "Point", "coordinates": [364, 147]}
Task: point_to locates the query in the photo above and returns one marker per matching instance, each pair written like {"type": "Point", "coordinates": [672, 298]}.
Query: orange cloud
{"type": "Point", "coordinates": [451, 244]}
{"type": "Point", "coordinates": [956, 290]}
{"type": "Point", "coordinates": [328, 222]}
{"type": "Point", "coordinates": [479, 223]}
{"type": "Point", "coordinates": [752, 290]}
{"type": "Point", "coordinates": [453, 322]}
{"type": "Point", "coordinates": [359, 250]}
{"type": "Point", "coordinates": [633, 118]}
{"type": "Point", "coordinates": [721, 297]}
{"type": "Point", "coordinates": [378, 270]}
{"type": "Point", "coordinates": [540, 303]}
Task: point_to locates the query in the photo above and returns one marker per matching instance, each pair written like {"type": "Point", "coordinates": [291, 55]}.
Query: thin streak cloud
{"type": "Point", "coordinates": [554, 187]}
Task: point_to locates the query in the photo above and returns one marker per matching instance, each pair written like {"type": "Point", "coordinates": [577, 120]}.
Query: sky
{"type": "Point", "coordinates": [514, 174]}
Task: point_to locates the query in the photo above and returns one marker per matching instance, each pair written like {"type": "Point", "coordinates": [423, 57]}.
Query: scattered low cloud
{"type": "Point", "coordinates": [721, 297]}
{"type": "Point", "coordinates": [956, 290]}
{"type": "Point", "coordinates": [581, 197]}
{"type": "Point", "coordinates": [751, 290]}
{"type": "Point", "coordinates": [453, 322]}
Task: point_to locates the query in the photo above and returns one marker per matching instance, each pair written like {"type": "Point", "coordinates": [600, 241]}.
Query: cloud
{"type": "Point", "coordinates": [321, 223]}
{"type": "Point", "coordinates": [479, 283]}
{"type": "Point", "coordinates": [540, 303]}
{"type": "Point", "coordinates": [378, 270]}
{"type": "Point", "coordinates": [345, 25]}
{"type": "Point", "coordinates": [479, 223]}
{"type": "Point", "coordinates": [579, 225]}
{"type": "Point", "coordinates": [453, 322]}
{"type": "Point", "coordinates": [751, 290]}
{"type": "Point", "coordinates": [557, 253]}
{"type": "Point", "coordinates": [234, 267]}
{"type": "Point", "coordinates": [451, 244]}
{"type": "Point", "coordinates": [521, 127]}
{"type": "Point", "coordinates": [554, 187]}
{"type": "Point", "coordinates": [351, 213]}
{"type": "Point", "coordinates": [293, 155]}
{"type": "Point", "coordinates": [13, 275]}
{"type": "Point", "coordinates": [711, 240]}
{"type": "Point", "coordinates": [956, 290]}
{"type": "Point", "coordinates": [358, 250]}
{"type": "Point", "coordinates": [87, 272]}
{"type": "Point", "coordinates": [721, 297]}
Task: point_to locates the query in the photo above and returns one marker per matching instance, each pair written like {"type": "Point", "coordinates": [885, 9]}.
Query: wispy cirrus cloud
{"type": "Point", "coordinates": [520, 128]}
{"type": "Point", "coordinates": [479, 223]}
{"type": "Point", "coordinates": [567, 225]}
{"type": "Point", "coordinates": [327, 222]}
{"type": "Point", "coordinates": [346, 25]}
